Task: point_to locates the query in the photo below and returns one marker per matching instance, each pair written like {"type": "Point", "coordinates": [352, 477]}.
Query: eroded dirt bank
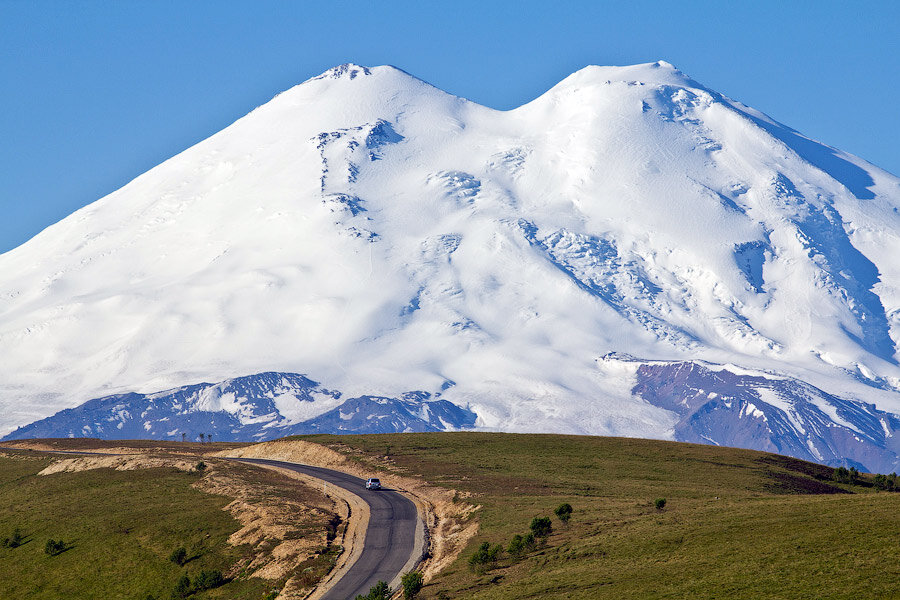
{"type": "Point", "coordinates": [447, 519]}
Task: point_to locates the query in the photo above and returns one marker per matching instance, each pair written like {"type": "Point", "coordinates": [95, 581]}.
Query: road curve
{"type": "Point", "coordinates": [390, 537]}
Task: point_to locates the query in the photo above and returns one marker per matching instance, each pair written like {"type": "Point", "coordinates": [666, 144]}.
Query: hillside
{"type": "Point", "coordinates": [736, 523]}
{"type": "Point", "coordinates": [120, 519]}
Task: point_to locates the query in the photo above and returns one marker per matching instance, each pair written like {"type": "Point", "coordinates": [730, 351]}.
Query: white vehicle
{"type": "Point", "coordinates": [373, 483]}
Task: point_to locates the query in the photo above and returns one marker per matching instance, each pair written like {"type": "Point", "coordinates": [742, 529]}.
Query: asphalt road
{"type": "Point", "coordinates": [390, 536]}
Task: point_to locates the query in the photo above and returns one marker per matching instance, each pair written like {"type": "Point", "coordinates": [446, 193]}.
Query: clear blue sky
{"type": "Point", "coordinates": [93, 94]}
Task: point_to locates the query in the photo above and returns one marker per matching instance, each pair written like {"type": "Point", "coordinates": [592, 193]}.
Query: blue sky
{"type": "Point", "coordinates": [96, 93]}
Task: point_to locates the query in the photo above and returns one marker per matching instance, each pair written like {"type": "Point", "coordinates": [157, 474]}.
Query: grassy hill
{"type": "Point", "coordinates": [119, 529]}
{"type": "Point", "coordinates": [736, 523]}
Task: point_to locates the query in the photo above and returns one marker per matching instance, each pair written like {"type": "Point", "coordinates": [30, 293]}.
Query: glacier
{"type": "Point", "coordinates": [380, 235]}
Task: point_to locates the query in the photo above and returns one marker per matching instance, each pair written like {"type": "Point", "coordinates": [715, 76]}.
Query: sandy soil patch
{"type": "Point", "coordinates": [354, 511]}
{"type": "Point", "coordinates": [273, 526]}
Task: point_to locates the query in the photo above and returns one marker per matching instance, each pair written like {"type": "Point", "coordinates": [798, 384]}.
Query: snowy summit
{"type": "Point", "coordinates": [630, 253]}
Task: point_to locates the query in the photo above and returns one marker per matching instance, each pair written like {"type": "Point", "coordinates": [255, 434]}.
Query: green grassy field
{"type": "Point", "coordinates": [120, 528]}
{"type": "Point", "coordinates": [736, 524]}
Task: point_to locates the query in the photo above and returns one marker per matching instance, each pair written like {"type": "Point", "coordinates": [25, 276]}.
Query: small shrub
{"type": "Point", "coordinates": [54, 547]}
{"type": "Point", "coordinates": [845, 475]}
{"type": "Point", "coordinates": [182, 588]}
{"type": "Point", "coordinates": [841, 475]}
{"type": "Point", "coordinates": [15, 541]}
{"type": "Point", "coordinates": [485, 555]}
{"type": "Point", "coordinates": [886, 482]}
{"type": "Point", "coordinates": [530, 542]}
{"type": "Point", "coordinates": [659, 503]}
{"type": "Point", "coordinates": [516, 546]}
{"type": "Point", "coordinates": [178, 556]}
{"type": "Point", "coordinates": [208, 580]}
{"type": "Point", "coordinates": [201, 466]}
{"type": "Point", "coordinates": [412, 584]}
{"type": "Point", "coordinates": [520, 544]}
{"type": "Point", "coordinates": [541, 527]}
{"type": "Point", "coordinates": [564, 512]}
{"type": "Point", "coordinates": [379, 591]}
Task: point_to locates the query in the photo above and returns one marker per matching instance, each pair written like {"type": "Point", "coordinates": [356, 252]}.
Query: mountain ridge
{"type": "Point", "coordinates": [256, 407]}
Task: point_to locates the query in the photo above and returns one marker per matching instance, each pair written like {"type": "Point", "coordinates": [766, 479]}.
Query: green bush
{"type": "Point", "coordinates": [182, 588]}
{"type": "Point", "coordinates": [15, 541]}
{"type": "Point", "coordinates": [201, 466]}
{"type": "Point", "coordinates": [379, 591]}
{"type": "Point", "coordinates": [485, 555]}
{"type": "Point", "coordinates": [208, 580]}
{"type": "Point", "coordinates": [516, 546]}
{"type": "Point", "coordinates": [541, 527]}
{"type": "Point", "coordinates": [659, 503]}
{"type": "Point", "coordinates": [530, 542]}
{"type": "Point", "coordinates": [412, 584]}
{"type": "Point", "coordinates": [54, 547]}
{"type": "Point", "coordinates": [845, 475]}
{"type": "Point", "coordinates": [564, 512]}
{"type": "Point", "coordinates": [886, 482]}
{"type": "Point", "coordinates": [178, 556]}
{"type": "Point", "coordinates": [519, 545]}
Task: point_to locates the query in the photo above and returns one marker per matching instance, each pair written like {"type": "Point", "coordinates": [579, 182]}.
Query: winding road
{"type": "Point", "coordinates": [390, 537]}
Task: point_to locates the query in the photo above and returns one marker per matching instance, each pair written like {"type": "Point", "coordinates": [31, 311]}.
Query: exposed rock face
{"type": "Point", "coordinates": [719, 406]}
{"type": "Point", "coordinates": [255, 407]}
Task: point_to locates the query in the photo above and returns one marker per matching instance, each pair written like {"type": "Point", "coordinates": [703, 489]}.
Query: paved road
{"type": "Point", "coordinates": [390, 537]}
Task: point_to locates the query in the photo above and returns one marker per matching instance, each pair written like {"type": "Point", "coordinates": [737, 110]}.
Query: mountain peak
{"type": "Point", "coordinates": [655, 73]}
{"type": "Point", "coordinates": [345, 71]}
{"type": "Point", "coordinates": [661, 64]}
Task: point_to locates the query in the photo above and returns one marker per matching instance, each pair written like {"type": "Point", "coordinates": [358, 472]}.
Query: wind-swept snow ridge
{"type": "Point", "coordinates": [381, 235]}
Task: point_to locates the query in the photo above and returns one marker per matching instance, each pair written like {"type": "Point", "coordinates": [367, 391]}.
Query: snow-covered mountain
{"type": "Point", "coordinates": [379, 235]}
{"type": "Point", "coordinates": [255, 407]}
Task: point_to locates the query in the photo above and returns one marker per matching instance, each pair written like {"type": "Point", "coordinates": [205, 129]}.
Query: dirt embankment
{"type": "Point", "coordinates": [353, 511]}
{"type": "Point", "coordinates": [129, 462]}
{"type": "Point", "coordinates": [63, 448]}
{"type": "Point", "coordinates": [446, 518]}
